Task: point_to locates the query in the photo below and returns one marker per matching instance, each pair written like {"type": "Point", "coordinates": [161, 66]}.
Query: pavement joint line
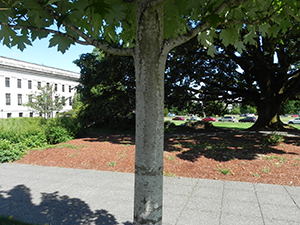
{"type": "Point", "coordinates": [291, 197]}
{"type": "Point", "coordinates": [186, 202]}
{"type": "Point", "coordinates": [259, 206]}
{"type": "Point", "coordinates": [222, 203]}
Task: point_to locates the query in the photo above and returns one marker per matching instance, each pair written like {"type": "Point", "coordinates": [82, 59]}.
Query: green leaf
{"type": "Point", "coordinates": [99, 7]}
{"type": "Point", "coordinates": [226, 36]}
{"type": "Point", "coordinates": [118, 13]}
{"type": "Point", "coordinates": [38, 34]}
{"type": "Point", "coordinates": [7, 34]}
{"type": "Point", "coordinates": [264, 29]}
{"type": "Point", "coordinates": [211, 51]}
{"type": "Point", "coordinates": [214, 19]}
{"type": "Point", "coordinates": [240, 47]}
{"type": "Point", "coordinates": [250, 36]}
{"type": "Point", "coordinates": [21, 42]}
{"type": "Point", "coordinates": [62, 43]}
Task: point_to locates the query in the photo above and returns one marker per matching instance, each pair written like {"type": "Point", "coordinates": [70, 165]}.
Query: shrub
{"type": "Point", "coordinates": [10, 152]}
{"type": "Point", "coordinates": [274, 139]}
{"type": "Point", "coordinates": [57, 134]}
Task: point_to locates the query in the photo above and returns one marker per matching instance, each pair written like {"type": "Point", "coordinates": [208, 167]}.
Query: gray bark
{"type": "Point", "coordinates": [149, 66]}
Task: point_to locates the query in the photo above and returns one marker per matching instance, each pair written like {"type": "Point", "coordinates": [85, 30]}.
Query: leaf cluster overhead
{"type": "Point", "coordinates": [101, 22]}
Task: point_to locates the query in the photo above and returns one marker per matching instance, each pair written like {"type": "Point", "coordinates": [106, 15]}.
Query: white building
{"type": "Point", "coordinates": [19, 79]}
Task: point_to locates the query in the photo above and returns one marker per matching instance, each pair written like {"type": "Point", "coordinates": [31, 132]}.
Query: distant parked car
{"type": "Point", "coordinates": [285, 115]}
{"type": "Point", "coordinates": [294, 121]}
{"type": "Point", "coordinates": [193, 118]}
{"type": "Point", "coordinates": [178, 118]}
{"type": "Point", "coordinates": [227, 119]}
{"type": "Point", "coordinates": [249, 119]}
{"type": "Point", "coordinates": [210, 118]}
{"type": "Point", "coordinates": [295, 115]}
{"type": "Point", "coordinates": [171, 114]}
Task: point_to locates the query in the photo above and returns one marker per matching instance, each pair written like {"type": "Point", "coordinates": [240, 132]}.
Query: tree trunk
{"type": "Point", "coordinates": [149, 67]}
{"type": "Point", "coordinates": [268, 117]}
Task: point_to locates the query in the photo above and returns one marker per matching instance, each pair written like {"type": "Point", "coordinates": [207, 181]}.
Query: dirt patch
{"type": "Point", "coordinates": [235, 157]}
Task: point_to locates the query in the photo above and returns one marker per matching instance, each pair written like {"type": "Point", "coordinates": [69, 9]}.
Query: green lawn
{"type": "Point", "coordinates": [241, 126]}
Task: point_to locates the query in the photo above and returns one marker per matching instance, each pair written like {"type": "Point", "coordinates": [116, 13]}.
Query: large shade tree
{"type": "Point", "coordinates": [270, 77]}
{"type": "Point", "coordinates": [108, 80]}
{"type": "Point", "coordinates": [148, 29]}
{"type": "Point", "coordinates": [264, 75]}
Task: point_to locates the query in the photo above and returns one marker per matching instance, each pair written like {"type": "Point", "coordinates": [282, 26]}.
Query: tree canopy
{"type": "Point", "coordinates": [45, 101]}
{"type": "Point", "coordinates": [109, 81]}
{"type": "Point", "coordinates": [148, 29]}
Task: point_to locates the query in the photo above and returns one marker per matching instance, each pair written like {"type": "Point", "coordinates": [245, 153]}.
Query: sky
{"type": "Point", "coordinates": [39, 53]}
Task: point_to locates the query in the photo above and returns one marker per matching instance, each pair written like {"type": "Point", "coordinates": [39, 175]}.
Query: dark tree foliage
{"type": "Point", "coordinates": [199, 82]}
{"type": "Point", "coordinates": [261, 81]}
{"type": "Point", "coordinates": [266, 82]}
{"type": "Point", "coordinates": [107, 90]}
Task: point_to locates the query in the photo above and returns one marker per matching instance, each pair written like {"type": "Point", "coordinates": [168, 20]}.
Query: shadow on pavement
{"type": "Point", "coordinates": [53, 209]}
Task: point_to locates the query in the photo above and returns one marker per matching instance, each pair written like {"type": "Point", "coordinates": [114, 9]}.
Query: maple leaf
{"type": "Point", "coordinates": [62, 43]}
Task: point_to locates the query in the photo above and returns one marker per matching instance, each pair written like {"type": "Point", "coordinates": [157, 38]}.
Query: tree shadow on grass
{"type": "Point", "coordinates": [225, 147]}
{"type": "Point", "coordinates": [53, 209]}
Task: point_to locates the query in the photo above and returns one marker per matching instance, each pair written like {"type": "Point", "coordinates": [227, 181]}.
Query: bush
{"type": "Point", "coordinates": [274, 139]}
{"type": "Point", "coordinates": [57, 134]}
{"type": "Point", "coordinates": [19, 134]}
{"type": "Point", "coordinates": [10, 152]}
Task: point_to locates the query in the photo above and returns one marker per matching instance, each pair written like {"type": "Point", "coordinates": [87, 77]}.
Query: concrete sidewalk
{"type": "Point", "coordinates": [52, 195]}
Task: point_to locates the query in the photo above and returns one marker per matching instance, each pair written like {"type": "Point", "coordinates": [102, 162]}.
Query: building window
{"type": "Point", "coordinates": [31, 114]}
{"type": "Point", "coordinates": [70, 88]}
{"type": "Point", "coordinates": [55, 87]}
{"type": "Point", "coordinates": [19, 99]}
{"type": "Point", "coordinates": [29, 98]}
{"type": "Point", "coordinates": [7, 96]}
{"type": "Point", "coordinates": [7, 82]}
{"type": "Point", "coordinates": [39, 84]}
{"type": "Point", "coordinates": [70, 101]}
{"type": "Point", "coordinates": [20, 114]}
{"type": "Point", "coordinates": [48, 84]}
{"type": "Point", "coordinates": [29, 84]}
{"type": "Point", "coordinates": [63, 88]}
{"type": "Point", "coordinates": [8, 115]}
{"type": "Point", "coordinates": [63, 99]}
{"type": "Point", "coordinates": [19, 83]}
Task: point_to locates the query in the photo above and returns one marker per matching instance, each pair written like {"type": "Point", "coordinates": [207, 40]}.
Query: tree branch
{"type": "Point", "coordinates": [173, 42]}
{"type": "Point", "coordinates": [88, 40]}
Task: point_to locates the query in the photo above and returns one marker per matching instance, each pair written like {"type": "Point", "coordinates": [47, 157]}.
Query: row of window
{"type": "Point", "coordinates": [8, 115]}
{"type": "Point", "coordinates": [39, 84]}
{"type": "Point", "coordinates": [8, 99]}
{"type": "Point", "coordinates": [20, 114]}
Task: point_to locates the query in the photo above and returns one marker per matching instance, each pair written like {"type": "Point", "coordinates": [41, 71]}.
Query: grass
{"type": "Point", "coordinates": [266, 170]}
{"type": "Point", "coordinates": [168, 174]}
{"type": "Point", "coordinates": [225, 171]}
{"type": "Point", "coordinates": [112, 163]}
{"type": "Point", "coordinates": [10, 221]}
{"type": "Point", "coordinates": [66, 146]}
{"type": "Point", "coordinates": [236, 125]}
{"type": "Point", "coordinates": [170, 157]}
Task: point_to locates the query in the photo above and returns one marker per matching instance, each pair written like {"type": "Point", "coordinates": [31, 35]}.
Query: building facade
{"type": "Point", "coordinates": [19, 80]}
